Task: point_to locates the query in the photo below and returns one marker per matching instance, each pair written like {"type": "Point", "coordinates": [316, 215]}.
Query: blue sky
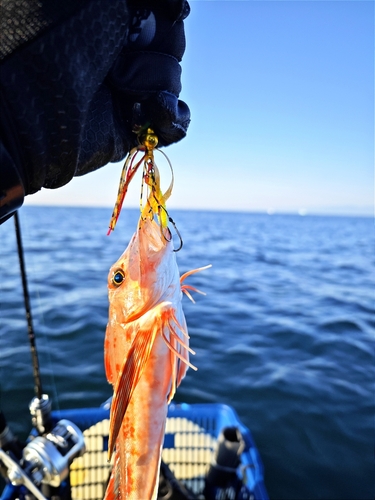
{"type": "Point", "coordinates": [282, 101]}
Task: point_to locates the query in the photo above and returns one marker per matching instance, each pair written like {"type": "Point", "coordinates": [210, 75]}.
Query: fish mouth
{"type": "Point", "coordinates": [152, 234]}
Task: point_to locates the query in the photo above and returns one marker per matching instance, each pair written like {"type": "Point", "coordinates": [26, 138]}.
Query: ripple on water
{"type": "Point", "coordinates": [285, 333]}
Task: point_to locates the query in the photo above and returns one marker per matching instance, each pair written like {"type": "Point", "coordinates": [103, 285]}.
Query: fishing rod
{"type": "Point", "coordinates": [40, 406]}
{"type": "Point", "coordinates": [42, 464]}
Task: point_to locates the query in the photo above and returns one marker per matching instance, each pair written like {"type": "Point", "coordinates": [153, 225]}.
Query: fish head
{"type": "Point", "coordinates": [143, 274]}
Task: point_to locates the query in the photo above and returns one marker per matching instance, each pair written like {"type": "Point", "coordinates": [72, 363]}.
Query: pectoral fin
{"type": "Point", "coordinates": [128, 379]}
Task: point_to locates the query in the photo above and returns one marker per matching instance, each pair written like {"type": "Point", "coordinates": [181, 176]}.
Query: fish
{"type": "Point", "coordinates": [146, 356]}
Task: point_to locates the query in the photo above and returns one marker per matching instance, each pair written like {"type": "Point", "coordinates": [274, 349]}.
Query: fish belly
{"type": "Point", "coordinates": [141, 436]}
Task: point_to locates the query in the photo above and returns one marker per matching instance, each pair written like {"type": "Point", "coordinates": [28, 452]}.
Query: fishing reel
{"type": "Point", "coordinates": [45, 459]}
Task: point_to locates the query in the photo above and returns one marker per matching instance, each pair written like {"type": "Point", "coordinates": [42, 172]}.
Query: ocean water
{"type": "Point", "coordinates": [285, 334]}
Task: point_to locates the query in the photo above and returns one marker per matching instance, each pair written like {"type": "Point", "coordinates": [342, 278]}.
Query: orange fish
{"type": "Point", "coordinates": [146, 357]}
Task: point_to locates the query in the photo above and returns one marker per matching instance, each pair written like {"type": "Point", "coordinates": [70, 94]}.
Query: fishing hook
{"type": "Point", "coordinates": [175, 228]}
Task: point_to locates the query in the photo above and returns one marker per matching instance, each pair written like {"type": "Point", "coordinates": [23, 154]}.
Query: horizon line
{"type": "Point", "coordinates": [302, 212]}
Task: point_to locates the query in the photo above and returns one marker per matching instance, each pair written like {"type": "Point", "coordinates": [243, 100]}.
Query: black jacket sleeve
{"type": "Point", "coordinates": [72, 75]}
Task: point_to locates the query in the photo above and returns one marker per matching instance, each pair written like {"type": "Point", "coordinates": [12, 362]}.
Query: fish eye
{"type": "Point", "coordinates": [118, 277]}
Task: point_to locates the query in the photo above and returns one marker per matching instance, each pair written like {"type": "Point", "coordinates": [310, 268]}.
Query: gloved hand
{"type": "Point", "coordinates": [72, 74]}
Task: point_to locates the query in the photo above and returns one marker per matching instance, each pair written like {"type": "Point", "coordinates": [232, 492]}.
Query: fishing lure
{"type": "Point", "coordinates": [156, 199]}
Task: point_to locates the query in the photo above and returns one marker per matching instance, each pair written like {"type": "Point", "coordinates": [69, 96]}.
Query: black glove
{"type": "Point", "coordinates": [72, 74]}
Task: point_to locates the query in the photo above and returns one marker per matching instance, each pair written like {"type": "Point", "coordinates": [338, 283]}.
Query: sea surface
{"type": "Point", "coordinates": [285, 334]}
